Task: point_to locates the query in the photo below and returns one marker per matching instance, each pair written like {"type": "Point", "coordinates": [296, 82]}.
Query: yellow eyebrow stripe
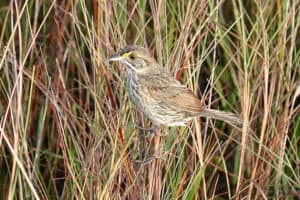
{"type": "Point", "coordinates": [126, 55]}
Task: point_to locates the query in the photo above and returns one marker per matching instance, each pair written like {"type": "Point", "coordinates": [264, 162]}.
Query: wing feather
{"type": "Point", "coordinates": [169, 91]}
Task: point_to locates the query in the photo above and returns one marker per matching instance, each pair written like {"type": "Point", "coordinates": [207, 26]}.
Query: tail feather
{"type": "Point", "coordinates": [231, 118]}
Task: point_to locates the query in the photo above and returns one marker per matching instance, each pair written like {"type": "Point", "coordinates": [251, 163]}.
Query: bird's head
{"type": "Point", "coordinates": [135, 58]}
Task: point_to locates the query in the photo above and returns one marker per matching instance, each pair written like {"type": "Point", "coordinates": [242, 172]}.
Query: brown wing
{"type": "Point", "coordinates": [171, 92]}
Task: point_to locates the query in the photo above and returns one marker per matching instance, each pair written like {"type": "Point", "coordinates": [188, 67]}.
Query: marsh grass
{"type": "Point", "coordinates": [69, 131]}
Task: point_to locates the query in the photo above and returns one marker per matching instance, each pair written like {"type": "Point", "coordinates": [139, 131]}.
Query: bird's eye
{"type": "Point", "coordinates": [131, 57]}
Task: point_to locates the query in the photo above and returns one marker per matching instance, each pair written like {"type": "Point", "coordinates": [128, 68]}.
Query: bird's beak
{"type": "Point", "coordinates": [116, 57]}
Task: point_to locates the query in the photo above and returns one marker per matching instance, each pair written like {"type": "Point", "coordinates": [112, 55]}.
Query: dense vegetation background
{"type": "Point", "coordinates": [69, 131]}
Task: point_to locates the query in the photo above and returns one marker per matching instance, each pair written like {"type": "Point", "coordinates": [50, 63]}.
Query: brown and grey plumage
{"type": "Point", "coordinates": [159, 95]}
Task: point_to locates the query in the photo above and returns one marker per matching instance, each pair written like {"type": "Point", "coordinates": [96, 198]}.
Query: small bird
{"type": "Point", "coordinates": [159, 95]}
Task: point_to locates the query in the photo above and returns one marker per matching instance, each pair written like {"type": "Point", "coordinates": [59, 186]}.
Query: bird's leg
{"type": "Point", "coordinates": [148, 160]}
{"type": "Point", "coordinates": [157, 155]}
{"type": "Point", "coordinates": [158, 131]}
{"type": "Point", "coordinates": [142, 144]}
{"type": "Point", "coordinates": [153, 131]}
{"type": "Point", "coordinates": [149, 132]}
